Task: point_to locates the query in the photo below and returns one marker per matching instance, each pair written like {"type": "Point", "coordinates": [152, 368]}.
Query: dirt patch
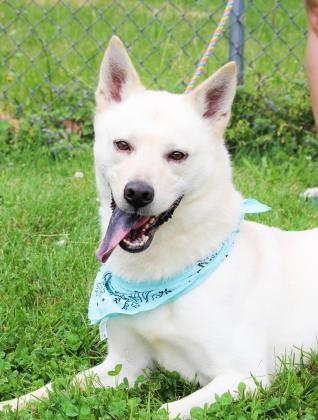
{"type": "Point", "coordinates": [14, 123]}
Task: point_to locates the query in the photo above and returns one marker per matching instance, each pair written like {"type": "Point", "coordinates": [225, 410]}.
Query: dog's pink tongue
{"type": "Point", "coordinates": [120, 225]}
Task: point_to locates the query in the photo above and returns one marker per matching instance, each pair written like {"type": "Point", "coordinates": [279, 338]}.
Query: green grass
{"type": "Point", "coordinates": [45, 286]}
{"type": "Point", "coordinates": [50, 48]}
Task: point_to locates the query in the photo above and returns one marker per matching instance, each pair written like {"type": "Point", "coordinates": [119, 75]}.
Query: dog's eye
{"type": "Point", "coordinates": [177, 155]}
{"type": "Point", "coordinates": [122, 145]}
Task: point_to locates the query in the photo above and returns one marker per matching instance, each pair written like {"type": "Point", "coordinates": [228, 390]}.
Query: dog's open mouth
{"type": "Point", "coordinates": [133, 232]}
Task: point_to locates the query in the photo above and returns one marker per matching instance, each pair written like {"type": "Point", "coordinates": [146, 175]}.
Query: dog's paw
{"type": "Point", "coordinates": [176, 411]}
{"type": "Point", "coordinates": [13, 404]}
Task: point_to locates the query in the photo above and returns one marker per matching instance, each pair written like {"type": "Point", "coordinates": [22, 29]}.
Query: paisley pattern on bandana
{"type": "Point", "coordinates": [130, 300]}
{"type": "Point", "coordinates": [112, 295]}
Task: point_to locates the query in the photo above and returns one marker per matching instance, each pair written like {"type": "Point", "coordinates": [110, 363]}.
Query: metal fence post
{"type": "Point", "coordinates": [237, 38]}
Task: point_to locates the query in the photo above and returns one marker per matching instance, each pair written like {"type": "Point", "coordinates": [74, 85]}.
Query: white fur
{"type": "Point", "coordinates": [258, 304]}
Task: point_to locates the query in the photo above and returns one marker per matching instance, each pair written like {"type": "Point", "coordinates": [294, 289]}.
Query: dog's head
{"type": "Point", "coordinates": [154, 150]}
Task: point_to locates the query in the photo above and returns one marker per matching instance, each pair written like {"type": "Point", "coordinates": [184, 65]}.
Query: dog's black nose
{"type": "Point", "coordinates": [139, 193]}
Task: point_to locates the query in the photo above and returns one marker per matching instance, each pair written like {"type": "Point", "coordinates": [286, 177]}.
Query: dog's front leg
{"type": "Point", "coordinates": [99, 375]}
{"type": "Point", "coordinates": [206, 395]}
{"type": "Point", "coordinates": [124, 349]}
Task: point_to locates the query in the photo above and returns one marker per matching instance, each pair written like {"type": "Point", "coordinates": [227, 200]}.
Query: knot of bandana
{"type": "Point", "coordinates": [113, 295]}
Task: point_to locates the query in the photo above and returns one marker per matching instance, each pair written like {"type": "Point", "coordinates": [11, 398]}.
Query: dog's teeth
{"type": "Point", "coordinates": [139, 241]}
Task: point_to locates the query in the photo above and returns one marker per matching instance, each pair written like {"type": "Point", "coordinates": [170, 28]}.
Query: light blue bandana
{"type": "Point", "coordinates": [113, 295]}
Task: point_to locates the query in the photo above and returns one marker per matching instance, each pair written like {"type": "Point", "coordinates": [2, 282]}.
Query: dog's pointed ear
{"type": "Point", "coordinates": [214, 97]}
{"type": "Point", "coordinates": [118, 77]}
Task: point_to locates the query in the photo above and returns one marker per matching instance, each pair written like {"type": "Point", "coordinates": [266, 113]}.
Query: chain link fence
{"type": "Point", "coordinates": [51, 50]}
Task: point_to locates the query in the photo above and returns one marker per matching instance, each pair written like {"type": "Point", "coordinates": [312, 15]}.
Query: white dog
{"type": "Point", "coordinates": [158, 153]}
